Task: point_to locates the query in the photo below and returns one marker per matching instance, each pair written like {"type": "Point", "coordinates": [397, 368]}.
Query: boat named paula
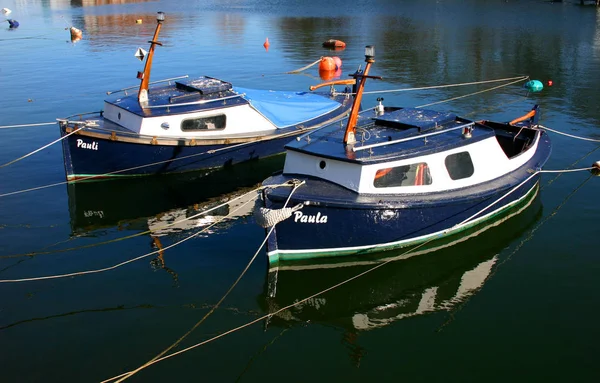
{"type": "Point", "coordinates": [186, 124]}
{"type": "Point", "coordinates": [393, 177]}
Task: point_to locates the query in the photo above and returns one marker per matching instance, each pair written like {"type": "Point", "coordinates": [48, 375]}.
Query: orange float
{"type": "Point", "coordinates": [327, 64]}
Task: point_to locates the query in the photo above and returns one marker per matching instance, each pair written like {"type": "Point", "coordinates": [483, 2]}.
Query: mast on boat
{"type": "Point", "coordinates": [349, 136]}
{"type": "Point", "coordinates": [145, 75]}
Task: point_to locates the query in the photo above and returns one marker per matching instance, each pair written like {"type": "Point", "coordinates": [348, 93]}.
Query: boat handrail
{"type": "Point", "coordinates": [194, 102]}
{"type": "Point", "coordinates": [412, 138]}
{"type": "Point", "coordinates": [153, 82]}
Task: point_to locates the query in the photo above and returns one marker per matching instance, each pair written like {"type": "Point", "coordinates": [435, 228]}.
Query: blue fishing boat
{"type": "Point", "coordinates": [393, 177]}
{"type": "Point", "coordinates": [187, 124]}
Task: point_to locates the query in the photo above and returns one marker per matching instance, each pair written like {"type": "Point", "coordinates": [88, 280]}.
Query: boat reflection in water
{"type": "Point", "coordinates": [425, 280]}
{"type": "Point", "coordinates": [130, 203]}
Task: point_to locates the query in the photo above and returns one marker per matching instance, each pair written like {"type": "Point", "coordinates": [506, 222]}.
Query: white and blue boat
{"type": "Point", "coordinates": [187, 124]}
{"type": "Point", "coordinates": [392, 177]}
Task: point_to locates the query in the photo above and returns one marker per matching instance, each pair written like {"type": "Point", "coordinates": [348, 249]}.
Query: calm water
{"type": "Point", "coordinates": [516, 302]}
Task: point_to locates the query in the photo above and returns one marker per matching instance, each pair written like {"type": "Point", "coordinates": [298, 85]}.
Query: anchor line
{"type": "Point", "coordinates": [131, 373]}
{"type": "Point", "coordinates": [148, 254]}
{"type": "Point", "coordinates": [43, 147]}
{"type": "Point", "coordinates": [296, 303]}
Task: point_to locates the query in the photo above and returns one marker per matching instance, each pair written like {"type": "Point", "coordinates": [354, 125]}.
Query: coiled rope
{"type": "Point", "coordinates": [296, 184]}
{"type": "Point", "coordinates": [296, 303]}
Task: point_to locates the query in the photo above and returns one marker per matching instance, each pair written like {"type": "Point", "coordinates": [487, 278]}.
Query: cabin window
{"type": "Point", "coordinates": [459, 165]}
{"type": "Point", "coordinates": [204, 123]}
{"type": "Point", "coordinates": [407, 175]}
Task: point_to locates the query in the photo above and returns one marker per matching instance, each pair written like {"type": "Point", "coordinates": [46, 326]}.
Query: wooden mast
{"type": "Point", "coordinates": [145, 76]}
{"type": "Point", "coordinates": [349, 136]}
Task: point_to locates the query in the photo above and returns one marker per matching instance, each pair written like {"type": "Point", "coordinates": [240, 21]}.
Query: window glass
{"type": "Point", "coordinates": [204, 123]}
{"type": "Point", "coordinates": [459, 165]}
{"type": "Point", "coordinates": [406, 175]}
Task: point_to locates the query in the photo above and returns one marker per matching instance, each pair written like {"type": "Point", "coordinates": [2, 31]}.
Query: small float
{"type": "Point", "coordinates": [334, 44]}
{"type": "Point", "coordinates": [183, 124]}
{"type": "Point", "coordinates": [393, 177]}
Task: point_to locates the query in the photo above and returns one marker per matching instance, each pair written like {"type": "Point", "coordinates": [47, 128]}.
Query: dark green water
{"type": "Point", "coordinates": [516, 302]}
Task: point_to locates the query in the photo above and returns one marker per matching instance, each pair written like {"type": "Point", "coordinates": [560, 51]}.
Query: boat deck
{"type": "Point", "coordinates": [398, 133]}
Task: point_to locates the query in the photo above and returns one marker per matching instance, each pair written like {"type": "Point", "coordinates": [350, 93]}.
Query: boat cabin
{"type": "Point", "coordinates": [411, 151]}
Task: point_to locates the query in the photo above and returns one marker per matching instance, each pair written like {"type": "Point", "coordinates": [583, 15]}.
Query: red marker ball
{"type": "Point", "coordinates": [549, 82]}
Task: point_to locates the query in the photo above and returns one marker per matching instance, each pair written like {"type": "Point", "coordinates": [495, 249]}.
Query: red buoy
{"type": "Point", "coordinates": [331, 43]}
{"type": "Point", "coordinates": [266, 44]}
{"type": "Point", "coordinates": [550, 82]}
{"type": "Point", "coordinates": [327, 64]}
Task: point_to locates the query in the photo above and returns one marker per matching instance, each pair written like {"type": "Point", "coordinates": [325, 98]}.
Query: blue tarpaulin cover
{"type": "Point", "coordinates": [286, 108]}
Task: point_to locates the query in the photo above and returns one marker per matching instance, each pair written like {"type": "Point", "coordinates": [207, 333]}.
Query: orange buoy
{"type": "Point", "coordinates": [331, 43]}
{"type": "Point", "coordinates": [327, 64]}
{"type": "Point", "coordinates": [327, 75]}
{"type": "Point", "coordinates": [266, 44]}
{"type": "Point", "coordinates": [337, 61]}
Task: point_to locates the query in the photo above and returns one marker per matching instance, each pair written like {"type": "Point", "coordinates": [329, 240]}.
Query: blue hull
{"type": "Point", "coordinates": [335, 221]}
{"type": "Point", "coordinates": [118, 159]}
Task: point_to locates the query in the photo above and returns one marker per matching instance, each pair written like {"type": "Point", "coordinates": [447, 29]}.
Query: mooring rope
{"type": "Point", "coordinates": [517, 79]}
{"type": "Point", "coordinates": [304, 67]}
{"type": "Point", "coordinates": [131, 373]}
{"type": "Point", "coordinates": [471, 94]}
{"type": "Point", "coordinates": [517, 187]}
{"type": "Point", "coordinates": [144, 255]}
{"type": "Point", "coordinates": [43, 147]}
{"type": "Point", "coordinates": [269, 315]}
{"type": "Point", "coordinates": [27, 125]}
{"type": "Point", "coordinates": [569, 135]}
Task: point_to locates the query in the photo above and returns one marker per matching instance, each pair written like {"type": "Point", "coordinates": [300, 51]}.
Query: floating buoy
{"type": "Point", "coordinates": [12, 23]}
{"type": "Point", "coordinates": [6, 11]}
{"type": "Point", "coordinates": [550, 83]}
{"type": "Point", "coordinates": [266, 44]}
{"type": "Point", "coordinates": [595, 168]}
{"type": "Point", "coordinates": [334, 44]}
{"type": "Point", "coordinates": [338, 62]}
{"type": "Point", "coordinates": [533, 85]}
{"type": "Point", "coordinates": [76, 34]}
{"type": "Point", "coordinates": [327, 64]}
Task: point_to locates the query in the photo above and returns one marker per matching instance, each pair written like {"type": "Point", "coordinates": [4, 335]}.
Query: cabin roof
{"type": "Point", "coordinates": [178, 94]}
{"type": "Point", "coordinates": [421, 132]}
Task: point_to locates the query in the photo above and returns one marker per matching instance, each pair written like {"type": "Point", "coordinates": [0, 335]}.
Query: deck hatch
{"type": "Point", "coordinates": [421, 119]}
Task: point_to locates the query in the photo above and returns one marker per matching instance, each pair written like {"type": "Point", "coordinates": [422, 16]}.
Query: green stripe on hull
{"type": "Point", "coordinates": [500, 215]}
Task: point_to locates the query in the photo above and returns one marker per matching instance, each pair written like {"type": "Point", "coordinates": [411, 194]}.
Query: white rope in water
{"type": "Point", "coordinates": [27, 125]}
{"type": "Point", "coordinates": [152, 361]}
{"type": "Point", "coordinates": [151, 253]}
{"type": "Point", "coordinates": [520, 78]}
{"type": "Point", "coordinates": [43, 147]}
{"type": "Point", "coordinates": [472, 94]}
{"type": "Point", "coordinates": [569, 135]}
{"type": "Point", "coordinates": [299, 302]}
